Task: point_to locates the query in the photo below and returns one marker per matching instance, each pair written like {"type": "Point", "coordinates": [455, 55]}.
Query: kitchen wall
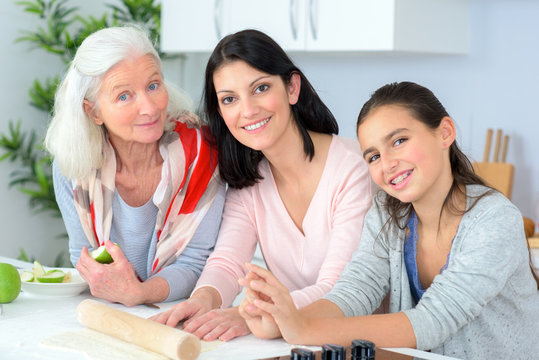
{"type": "Point", "coordinates": [38, 234]}
{"type": "Point", "coordinates": [495, 86]}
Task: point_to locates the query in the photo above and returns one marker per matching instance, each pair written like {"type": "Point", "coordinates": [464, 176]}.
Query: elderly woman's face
{"type": "Point", "coordinates": [132, 102]}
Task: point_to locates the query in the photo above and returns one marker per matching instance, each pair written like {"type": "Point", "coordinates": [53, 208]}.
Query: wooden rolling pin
{"type": "Point", "coordinates": [162, 339]}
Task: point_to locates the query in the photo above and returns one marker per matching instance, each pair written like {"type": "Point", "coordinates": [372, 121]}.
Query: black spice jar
{"type": "Point", "coordinates": [362, 350]}
{"type": "Point", "coordinates": [333, 352]}
{"type": "Point", "coordinates": [301, 354]}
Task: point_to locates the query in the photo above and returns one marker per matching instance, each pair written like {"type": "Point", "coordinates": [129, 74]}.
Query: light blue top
{"type": "Point", "coordinates": [133, 228]}
{"type": "Point", "coordinates": [485, 305]}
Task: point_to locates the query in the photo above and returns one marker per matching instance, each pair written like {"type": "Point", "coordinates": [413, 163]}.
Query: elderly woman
{"type": "Point", "coordinates": [131, 166]}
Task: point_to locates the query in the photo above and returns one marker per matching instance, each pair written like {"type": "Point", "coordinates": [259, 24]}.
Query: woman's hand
{"type": "Point", "coordinates": [115, 282]}
{"type": "Point", "coordinates": [268, 307]}
{"type": "Point", "coordinates": [203, 318]}
{"type": "Point", "coordinates": [200, 302]}
{"type": "Point", "coordinates": [222, 324]}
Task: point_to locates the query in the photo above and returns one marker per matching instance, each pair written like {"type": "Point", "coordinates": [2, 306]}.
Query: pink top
{"type": "Point", "coordinates": [308, 265]}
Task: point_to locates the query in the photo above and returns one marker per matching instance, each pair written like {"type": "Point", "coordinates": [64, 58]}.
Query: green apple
{"type": "Point", "coordinates": [10, 283]}
{"type": "Point", "coordinates": [38, 269]}
{"type": "Point", "coordinates": [101, 255]}
{"type": "Point", "coordinates": [54, 276]}
{"type": "Point", "coordinates": [27, 276]}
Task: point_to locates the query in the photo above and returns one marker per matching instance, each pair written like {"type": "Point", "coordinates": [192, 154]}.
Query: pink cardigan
{"type": "Point", "coordinates": [308, 265]}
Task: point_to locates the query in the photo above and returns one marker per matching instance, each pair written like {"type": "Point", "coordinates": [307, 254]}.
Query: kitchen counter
{"type": "Point", "coordinates": [29, 319]}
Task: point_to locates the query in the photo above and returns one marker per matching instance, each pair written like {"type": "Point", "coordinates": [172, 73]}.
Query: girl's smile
{"type": "Point", "coordinates": [400, 181]}
{"type": "Point", "coordinates": [406, 158]}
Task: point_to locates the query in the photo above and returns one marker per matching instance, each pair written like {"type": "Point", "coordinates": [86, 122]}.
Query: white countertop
{"type": "Point", "coordinates": [29, 319]}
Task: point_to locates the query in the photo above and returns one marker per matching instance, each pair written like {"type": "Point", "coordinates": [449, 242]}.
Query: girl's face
{"type": "Point", "coordinates": [255, 106]}
{"type": "Point", "coordinates": [406, 159]}
{"type": "Point", "coordinates": [132, 102]}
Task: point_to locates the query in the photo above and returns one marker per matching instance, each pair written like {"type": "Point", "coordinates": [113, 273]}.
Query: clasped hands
{"type": "Point", "coordinates": [268, 308]}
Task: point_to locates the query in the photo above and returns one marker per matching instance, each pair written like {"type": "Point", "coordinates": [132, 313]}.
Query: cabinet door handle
{"type": "Point", "coordinates": [217, 8]}
{"type": "Point", "coordinates": [313, 7]}
{"type": "Point", "coordinates": [293, 18]}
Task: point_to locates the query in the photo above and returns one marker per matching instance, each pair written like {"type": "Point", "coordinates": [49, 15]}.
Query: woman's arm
{"type": "Point", "coordinates": [217, 286]}
{"type": "Point", "coordinates": [183, 274]}
{"type": "Point", "coordinates": [236, 244]}
{"type": "Point", "coordinates": [350, 198]}
{"type": "Point", "coordinates": [63, 191]}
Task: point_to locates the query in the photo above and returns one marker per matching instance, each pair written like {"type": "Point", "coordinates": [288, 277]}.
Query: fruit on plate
{"type": "Point", "coordinates": [39, 274]}
{"type": "Point", "coordinates": [54, 276]}
{"type": "Point", "coordinates": [101, 255]}
{"type": "Point", "coordinates": [38, 269]}
{"type": "Point", "coordinates": [27, 276]}
{"type": "Point", "coordinates": [10, 283]}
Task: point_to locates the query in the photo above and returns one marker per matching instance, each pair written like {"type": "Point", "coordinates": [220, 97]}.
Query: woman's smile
{"type": "Point", "coordinates": [257, 126]}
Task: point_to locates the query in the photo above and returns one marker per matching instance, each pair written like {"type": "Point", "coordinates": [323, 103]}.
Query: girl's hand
{"type": "Point", "coordinates": [261, 324]}
{"type": "Point", "coordinates": [198, 304]}
{"type": "Point", "coordinates": [266, 297]}
{"type": "Point", "coordinates": [115, 282]}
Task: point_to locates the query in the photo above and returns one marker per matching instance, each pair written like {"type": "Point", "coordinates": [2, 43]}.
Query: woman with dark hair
{"type": "Point", "coordinates": [295, 187]}
{"type": "Point", "coordinates": [449, 251]}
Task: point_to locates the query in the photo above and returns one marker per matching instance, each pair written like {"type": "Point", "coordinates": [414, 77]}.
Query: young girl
{"type": "Point", "coordinates": [450, 251]}
{"type": "Point", "coordinates": [295, 187]}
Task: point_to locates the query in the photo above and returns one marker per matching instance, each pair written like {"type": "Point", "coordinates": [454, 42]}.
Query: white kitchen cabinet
{"type": "Point", "coordinates": [197, 26]}
{"type": "Point", "coordinates": [283, 20]}
{"type": "Point", "coordinates": [426, 26]}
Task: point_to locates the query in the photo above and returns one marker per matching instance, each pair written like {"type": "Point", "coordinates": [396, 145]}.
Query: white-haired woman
{"type": "Point", "coordinates": [132, 166]}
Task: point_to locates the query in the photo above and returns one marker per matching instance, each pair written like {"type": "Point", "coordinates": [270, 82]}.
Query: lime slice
{"type": "Point", "coordinates": [27, 276]}
{"type": "Point", "coordinates": [101, 255]}
{"type": "Point", "coordinates": [38, 269]}
{"type": "Point", "coordinates": [55, 276]}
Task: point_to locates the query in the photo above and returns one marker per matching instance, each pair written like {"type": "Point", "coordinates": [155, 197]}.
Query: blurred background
{"type": "Point", "coordinates": [491, 85]}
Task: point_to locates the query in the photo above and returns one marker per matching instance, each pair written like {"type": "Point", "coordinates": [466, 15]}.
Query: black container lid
{"type": "Point", "coordinates": [333, 352]}
{"type": "Point", "coordinates": [362, 350]}
{"type": "Point", "coordinates": [301, 354]}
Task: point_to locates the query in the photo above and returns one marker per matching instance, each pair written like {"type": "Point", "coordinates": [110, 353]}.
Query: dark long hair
{"type": "Point", "coordinates": [425, 107]}
{"type": "Point", "coordinates": [238, 164]}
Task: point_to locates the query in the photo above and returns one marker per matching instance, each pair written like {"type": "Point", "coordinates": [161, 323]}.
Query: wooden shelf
{"type": "Point", "coordinates": [534, 241]}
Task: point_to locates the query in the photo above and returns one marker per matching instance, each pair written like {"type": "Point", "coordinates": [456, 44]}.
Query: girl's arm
{"type": "Point", "coordinates": [319, 323]}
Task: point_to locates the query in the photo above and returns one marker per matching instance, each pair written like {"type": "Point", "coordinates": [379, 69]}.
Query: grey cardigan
{"type": "Point", "coordinates": [485, 305]}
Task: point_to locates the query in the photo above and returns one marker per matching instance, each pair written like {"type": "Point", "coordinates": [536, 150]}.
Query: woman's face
{"type": "Point", "coordinates": [131, 102]}
{"type": "Point", "coordinates": [406, 158]}
{"type": "Point", "coordinates": [255, 106]}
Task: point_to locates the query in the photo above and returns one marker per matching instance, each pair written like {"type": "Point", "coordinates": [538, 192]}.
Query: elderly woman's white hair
{"type": "Point", "coordinates": [73, 138]}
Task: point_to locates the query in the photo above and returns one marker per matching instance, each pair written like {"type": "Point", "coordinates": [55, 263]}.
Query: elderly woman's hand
{"type": "Point", "coordinates": [115, 282]}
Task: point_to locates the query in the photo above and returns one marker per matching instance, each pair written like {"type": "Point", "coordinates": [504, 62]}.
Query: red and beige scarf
{"type": "Point", "coordinates": [188, 186]}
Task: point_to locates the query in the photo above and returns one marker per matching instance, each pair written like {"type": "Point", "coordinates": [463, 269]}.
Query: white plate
{"type": "Point", "coordinates": [72, 288]}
